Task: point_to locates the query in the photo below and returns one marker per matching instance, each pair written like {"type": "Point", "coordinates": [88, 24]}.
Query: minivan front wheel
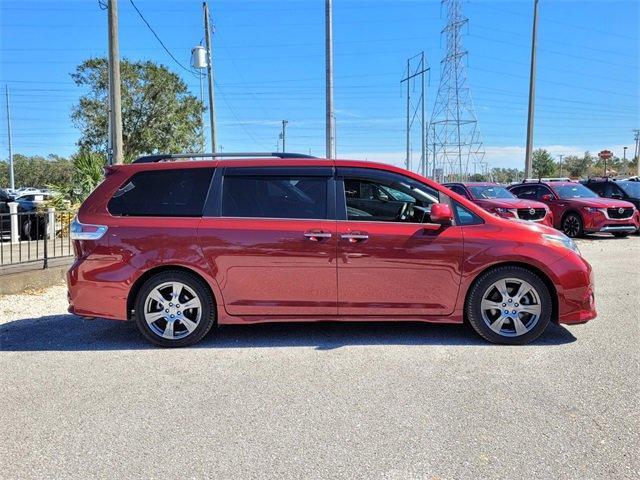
{"type": "Point", "coordinates": [174, 309]}
{"type": "Point", "coordinates": [509, 305]}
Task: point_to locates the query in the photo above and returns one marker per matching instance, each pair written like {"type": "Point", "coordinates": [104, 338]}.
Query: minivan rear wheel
{"type": "Point", "coordinates": [509, 305]}
{"type": "Point", "coordinates": [174, 309]}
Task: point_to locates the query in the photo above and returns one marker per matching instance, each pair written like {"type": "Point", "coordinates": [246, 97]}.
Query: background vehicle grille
{"type": "Point", "coordinates": [526, 213]}
{"type": "Point", "coordinates": [615, 212]}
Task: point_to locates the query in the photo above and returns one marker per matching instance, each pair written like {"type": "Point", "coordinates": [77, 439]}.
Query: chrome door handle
{"type": "Point", "coordinates": [354, 237]}
{"type": "Point", "coordinates": [316, 236]}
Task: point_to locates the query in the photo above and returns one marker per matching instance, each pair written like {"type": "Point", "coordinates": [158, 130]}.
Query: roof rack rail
{"type": "Point", "coordinates": [163, 157]}
{"type": "Point", "coordinates": [547, 179]}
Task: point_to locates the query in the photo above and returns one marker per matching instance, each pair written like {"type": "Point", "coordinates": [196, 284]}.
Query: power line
{"type": "Point", "coordinates": [159, 40]}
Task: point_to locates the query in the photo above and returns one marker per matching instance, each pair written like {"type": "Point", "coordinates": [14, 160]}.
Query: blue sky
{"type": "Point", "coordinates": [269, 61]}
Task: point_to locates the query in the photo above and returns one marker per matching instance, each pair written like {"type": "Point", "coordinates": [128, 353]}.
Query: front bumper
{"type": "Point", "coordinates": [576, 290]}
{"type": "Point", "coordinates": [600, 222]}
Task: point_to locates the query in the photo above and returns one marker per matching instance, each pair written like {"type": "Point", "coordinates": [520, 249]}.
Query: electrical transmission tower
{"type": "Point", "coordinates": [456, 141]}
{"type": "Point", "coordinates": [412, 111]}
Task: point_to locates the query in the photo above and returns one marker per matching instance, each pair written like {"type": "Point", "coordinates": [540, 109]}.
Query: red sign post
{"type": "Point", "coordinates": [605, 155]}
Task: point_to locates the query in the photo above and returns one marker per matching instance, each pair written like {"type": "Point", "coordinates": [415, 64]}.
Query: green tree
{"type": "Point", "coordinates": [543, 164]}
{"type": "Point", "coordinates": [577, 167]}
{"type": "Point", "coordinates": [36, 171]}
{"type": "Point", "coordinates": [506, 175]}
{"type": "Point", "coordinates": [158, 113]}
{"type": "Point", "coordinates": [88, 172]}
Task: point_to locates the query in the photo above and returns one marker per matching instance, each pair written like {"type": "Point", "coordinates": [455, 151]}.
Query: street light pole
{"type": "Point", "coordinates": [12, 184]}
{"type": "Point", "coordinates": [532, 92]}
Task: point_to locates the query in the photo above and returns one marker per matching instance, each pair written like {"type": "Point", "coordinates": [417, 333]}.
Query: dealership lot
{"type": "Point", "coordinates": [93, 399]}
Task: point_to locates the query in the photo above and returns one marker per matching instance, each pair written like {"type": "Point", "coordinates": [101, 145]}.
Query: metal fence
{"type": "Point", "coordinates": [34, 237]}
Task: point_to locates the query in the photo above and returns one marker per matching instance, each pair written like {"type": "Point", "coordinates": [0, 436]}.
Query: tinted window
{"type": "Point", "coordinates": [528, 191]}
{"type": "Point", "coordinates": [163, 193]}
{"type": "Point", "coordinates": [459, 190]}
{"type": "Point", "coordinates": [274, 196]}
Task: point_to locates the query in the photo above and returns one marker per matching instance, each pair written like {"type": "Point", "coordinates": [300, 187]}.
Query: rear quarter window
{"type": "Point", "coordinates": [163, 193]}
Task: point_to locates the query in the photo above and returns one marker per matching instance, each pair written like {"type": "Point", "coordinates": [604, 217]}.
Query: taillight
{"type": "Point", "coordinates": [83, 231]}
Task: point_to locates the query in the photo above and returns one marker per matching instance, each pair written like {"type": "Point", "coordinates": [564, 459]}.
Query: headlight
{"type": "Point", "coordinates": [590, 209]}
{"type": "Point", "coordinates": [562, 240]}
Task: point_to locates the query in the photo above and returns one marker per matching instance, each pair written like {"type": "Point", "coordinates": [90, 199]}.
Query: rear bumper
{"type": "Point", "coordinates": [91, 293]}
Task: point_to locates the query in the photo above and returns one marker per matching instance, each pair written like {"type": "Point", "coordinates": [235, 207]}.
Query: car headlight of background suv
{"type": "Point", "coordinates": [562, 240]}
{"type": "Point", "coordinates": [590, 209]}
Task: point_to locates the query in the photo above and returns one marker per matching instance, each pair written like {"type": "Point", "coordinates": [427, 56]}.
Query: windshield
{"type": "Point", "coordinates": [630, 188]}
{"type": "Point", "coordinates": [574, 190]}
{"type": "Point", "coordinates": [490, 191]}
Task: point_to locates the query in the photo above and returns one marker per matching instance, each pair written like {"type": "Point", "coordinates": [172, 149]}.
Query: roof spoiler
{"type": "Point", "coordinates": [165, 157]}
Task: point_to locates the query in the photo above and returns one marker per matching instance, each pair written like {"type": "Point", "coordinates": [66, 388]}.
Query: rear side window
{"type": "Point", "coordinates": [459, 190]}
{"type": "Point", "coordinates": [274, 196]}
{"type": "Point", "coordinates": [530, 192]}
{"type": "Point", "coordinates": [163, 193]}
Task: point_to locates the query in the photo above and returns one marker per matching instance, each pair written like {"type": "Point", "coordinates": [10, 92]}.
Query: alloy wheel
{"type": "Point", "coordinates": [571, 226]}
{"type": "Point", "coordinates": [172, 310]}
{"type": "Point", "coordinates": [511, 307]}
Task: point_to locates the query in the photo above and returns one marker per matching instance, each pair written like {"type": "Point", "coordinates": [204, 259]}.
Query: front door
{"type": "Point", "coordinates": [272, 249]}
{"type": "Point", "coordinates": [393, 261]}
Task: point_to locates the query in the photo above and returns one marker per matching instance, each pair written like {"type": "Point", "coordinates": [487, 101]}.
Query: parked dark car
{"type": "Point", "coordinates": [32, 221]}
{"type": "Point", "coordinates": [5, 220]}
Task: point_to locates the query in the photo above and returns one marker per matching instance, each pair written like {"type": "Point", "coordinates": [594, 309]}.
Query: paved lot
{"type": "Point", "coordinates": [92, 399]}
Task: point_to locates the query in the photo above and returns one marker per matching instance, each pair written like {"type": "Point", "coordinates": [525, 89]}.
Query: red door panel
{"type": "Point", "coordinates": [388, 268]}
{"type": "Point", "coordinates": [272, 266]}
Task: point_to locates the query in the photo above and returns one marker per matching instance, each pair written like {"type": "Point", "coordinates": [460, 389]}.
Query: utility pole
{"type": "Point", "coordinates": [283, 135]}
{"type": "Point", "coordinates": [561, 157]}
{"type": "Point", "coordinates": [115, 109]}
{"type": "Point", "coordinates": [637, 155]}
{"type": "Point", "coordinates": [212, 106]}
{"type": "Point", "coordinates": [12, 184]}
{"type": "Point", "coordinates": [532, 92]}
{"type": "Point", "coordinates": [330, 120]}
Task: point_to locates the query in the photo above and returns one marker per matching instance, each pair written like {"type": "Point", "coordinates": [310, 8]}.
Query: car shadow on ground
{"type": "Point", "coordinates": [71, 333]}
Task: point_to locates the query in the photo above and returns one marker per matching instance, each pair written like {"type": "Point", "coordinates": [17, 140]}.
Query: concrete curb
{"type": "Point", "coordinates": [33, 279]}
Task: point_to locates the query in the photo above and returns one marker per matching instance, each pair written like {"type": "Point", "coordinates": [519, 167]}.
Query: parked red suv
{"type": "Point", "coordinates": [578, 210]}
{"type": "Point", "coordinates": [498, 200]}
{"type": "Point", "coordinates": [178, 246]}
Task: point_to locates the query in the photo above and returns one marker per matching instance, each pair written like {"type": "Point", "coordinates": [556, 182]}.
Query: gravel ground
{"type": "Point", "coordinates": [398, 401]}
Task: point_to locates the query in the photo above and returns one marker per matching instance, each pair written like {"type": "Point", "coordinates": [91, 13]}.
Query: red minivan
{"type": "Point", "coordinates": [178, 245]}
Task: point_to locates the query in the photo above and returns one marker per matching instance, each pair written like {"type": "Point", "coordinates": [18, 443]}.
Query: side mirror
{"type": "Point", "coordinates": [441, 213]}
{"type": "Point", "coordinates": [547, 197]}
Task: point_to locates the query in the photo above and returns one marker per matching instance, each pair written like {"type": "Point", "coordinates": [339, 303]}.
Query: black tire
{"type": "Point", "coordinates": [484, 282]}
{"type": "Point", "coordinates": [572, 225]}
{"type": "Point", "coordinates": [197, 286]}
{"type": "Point", "coordinates": [621, 234]}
